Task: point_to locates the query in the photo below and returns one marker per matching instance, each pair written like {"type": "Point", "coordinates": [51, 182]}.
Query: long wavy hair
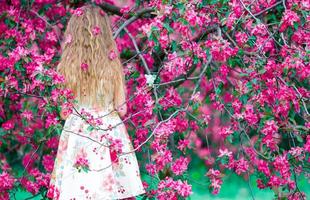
{"type": "Point", "coordinates": [85, 48]}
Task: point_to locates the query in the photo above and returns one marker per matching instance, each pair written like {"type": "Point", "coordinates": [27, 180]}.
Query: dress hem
{"type": "Point", "coordinates": [131, 195]}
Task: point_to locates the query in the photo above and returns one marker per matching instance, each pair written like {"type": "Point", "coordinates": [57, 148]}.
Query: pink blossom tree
{"type": "Point", "coordinates": [226, 81]}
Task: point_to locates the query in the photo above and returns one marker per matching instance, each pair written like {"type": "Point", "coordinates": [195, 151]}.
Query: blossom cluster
{"type": "Point", "coordinates": [223, 83]}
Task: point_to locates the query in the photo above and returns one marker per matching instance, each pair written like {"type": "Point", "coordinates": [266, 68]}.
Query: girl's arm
{"type": "Point", "coordinates": [120, 98]}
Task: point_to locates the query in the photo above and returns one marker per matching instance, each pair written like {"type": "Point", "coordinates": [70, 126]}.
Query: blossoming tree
{"type": "Point", "coordinates": [224, 81]}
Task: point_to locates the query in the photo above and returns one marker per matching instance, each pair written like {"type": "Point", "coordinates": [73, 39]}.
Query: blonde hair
{"type": "Point", "coordinates": [103, 73]}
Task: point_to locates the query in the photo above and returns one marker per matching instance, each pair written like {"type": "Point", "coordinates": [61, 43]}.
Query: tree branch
{"type": "Point", "coordinates": [138, 51]}
{"type": "Point", "coordinates": [111, 8]}
{"type": "Point", "coordinates": [138, 15]}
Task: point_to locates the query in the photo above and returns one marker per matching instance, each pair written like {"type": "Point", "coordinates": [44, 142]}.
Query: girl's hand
{"type": "Point", "coordinates": [64, 115]}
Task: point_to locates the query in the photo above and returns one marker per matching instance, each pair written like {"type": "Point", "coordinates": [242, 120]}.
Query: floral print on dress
{"type": "Point", "coordinates": [86, 168]}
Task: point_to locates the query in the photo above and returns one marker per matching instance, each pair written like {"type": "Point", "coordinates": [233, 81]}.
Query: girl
{"type": "Point", "coordinates": [95, 158]}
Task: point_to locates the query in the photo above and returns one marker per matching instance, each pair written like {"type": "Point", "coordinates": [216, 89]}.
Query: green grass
{"type": "Point", "coordinates": [234, 188]}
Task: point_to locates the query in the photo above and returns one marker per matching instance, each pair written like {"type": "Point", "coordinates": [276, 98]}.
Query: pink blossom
{"type": "Point", "coordinates": [225, 131]}
{"type": "Point", "coordinates": [81, 161]}
{"type": "Point", "coordinates": [78, 12]}
{"type": "Point", "coordinates": [307, 144]}
{"type": "Point", "coordinates": [112, 55]}
{"type": "Point", "coordinates": [288, 19]}
{"type": "Point", "coordinates": [215, 178]}
{"type": "Point", "coordinates": [52, 142]}
{"type": "Point", "coordinates": [27, 114]}
{"type": "Point", "coordinates": [53, 192]}
{"type": "Point", "coordinates": [180, 165]}
{"type": "Point", "coordinates": [8, 125]}
{"type": "Point", "coordinates": [241, 38]}
{"type": "Point", "coordinates": [125, 9]}
{"type": "Point", "coordinates": [101, 12]}
{"type": "Point", "coordinates": [171, 98]}
{"type": "Point", "coordinates": [151, 169]}
{"type": "Point", "coordinates": [30, 186]}
{"type": "Point", "coordinates": [224, 152]}
{"type": "Point", "coordinates": [274, 181]}
{"type": "Point", "coordinates": [51, 120]}
{"type": "Point", "coordinates": [84, 66]}
{"type": "Point", "coordinates": [96, 30]}
{"type": "Point", "coordinates": [263, 167]}
{"type": "Point", "coordinates": [48, 162]}
{"type": "Point", "coordinates": [29, 159]}
{"type": "Point", "coordinates": [68, 39]}
{"type": "Point", "coordinates": [6, 181]}
{"type": "Point", "coordinates": [183, 144]}
{"type": "Point", "coordinates": [241, 166]}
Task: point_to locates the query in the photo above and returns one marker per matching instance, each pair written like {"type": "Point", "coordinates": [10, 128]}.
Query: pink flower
{"type": "Point", "coordinates": [183, 144]}
{"type": "Point", "coordinates": [53, 192]}
{"type": "Point", "coordinates": [78, 12]}
{"type": "Point", "coordinates": [274, 181]}
{"type": "Point", "coordinates": [8, 125]}
{"type": "Point", "coordinates": [263, 167]}
{"type": "Point", "coordinates": [171, 98]}
{"type": "Point", "coordinates": [112, 55]}
{"type": "Point", "coordinates": [196, 97]}
{"type": "Point", "coordinates": [68, 39]}
{"type": "Point", "coordinates": [51, 120]}
{"type": "Point", "coordinates": [125, 9]}
{"type": "Point", "coordinates": [52, 142]}
{"type": "Point", "coordinates": [48, 162]}
{"type": "Point", "coordinates": [6, 181]}
{"type": "Point", "coordinates": [84, 66]}
{"type": "Point", "coordinates": [241, 38]}
{"type": "Point", "coordinates": [282, 165]}
{"type": "Point", "coordinates": [151, 169]}
{"type": "Point", "coordinates": [96, 30]}
{"type": "Point", "coordinates": [215, 178]}
{"type": "Point", "coordinates": [307, 144]}
{"type": "Point", "coordinates": [180, 165]}
{"type": "Point", "coordinates": [27, 114]}
{"type": "Point", "coordinates": [241, 166]}
{"type": "Point", "coordinates": [81, 163]}
{"type": "Point", "coordinates": [224, 152]}
{"type": "Point", "coordinates": [183, 188]}
{"type": "Point", "coordinates": [225, 131]}
{"type": "Point", "coordinates": [30, 186]}
{"type": "Point", "coordinates": [288, 19]}
{"type": "Point", "coordinates": [29, 159]}
{"type": "Point", "coordinates": [101, 12]}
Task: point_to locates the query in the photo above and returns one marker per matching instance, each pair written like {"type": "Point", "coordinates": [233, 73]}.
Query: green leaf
{"type": "Point", "coordinates": [299, 138]}
{"type": "Point", "coordinates": [212, 2]}
{"type": "Point", "coordinates": [135, 75]}
{"type": "Point", "coordinates": [249, 85]}
{"type": "Point", "coordinates": [296, 26]}
{"type": "Point", "coordinates": [11, 24]}
{"type": "Point", "coordinates": [90, 128]}
{"type": "Point", "coordinates": [167, 26]}
{"type": "Point", "coordinates": [218, 90]}
{"type": "Point", "coordinates": [2, 132]}
{"type": "Point", "coordinates": [19, 67]}
{"type": "Point", "coordinates": [244, 98]}
{"type": "Point", "coordinates": [181, 7]}
{"type": "Point", "coordinates": [173, 46]}
{"type": "Point", "coordinates": [252, 41]}
{"type": "Point", "coordinates": [230, 138]}
{"type": "Point", "coordinates": [243, 75]}
{"type": "Point", "coordinates": [261, 71]}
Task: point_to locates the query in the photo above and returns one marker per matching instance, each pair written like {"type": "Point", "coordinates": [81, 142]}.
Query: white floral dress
{"type": "Point", "coordinates": [87, 168]}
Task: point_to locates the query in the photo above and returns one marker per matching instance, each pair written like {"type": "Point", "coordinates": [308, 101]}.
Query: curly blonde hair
{"type": "Point", "coordinates": [91, 50]}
